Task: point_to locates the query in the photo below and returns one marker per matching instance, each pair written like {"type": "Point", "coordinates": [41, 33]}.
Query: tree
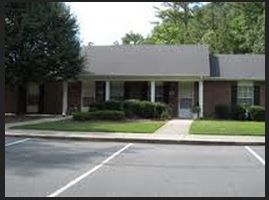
{"type": "Point", "coordinates": [178, 13]}
{"type": "Point", "coordinates": [227, 27]}
{"type": "Point", "coordinates": [259, 29]}
{"type": "Point", "coordinates": [238, 26]}
{"type": "Point", "coordinates": [41, 44]}
{"type": "Point", "coordinates": [132, 38]}
{"type": "Point", "coordinates": [166, 33]}
{"type": "Point", "coordinates": [116, 43]}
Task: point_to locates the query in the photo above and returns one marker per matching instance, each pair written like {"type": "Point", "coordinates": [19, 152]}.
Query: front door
{"type": "Point", "coordinates": [186, 99]}
{"type": "Point", "coordinates": [32, 98]}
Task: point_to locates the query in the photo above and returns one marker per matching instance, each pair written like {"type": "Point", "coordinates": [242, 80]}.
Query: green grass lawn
{"type": "Point", "coordinates": [124, 127]}
{"type": "Point", "coordinates": [208, 127]}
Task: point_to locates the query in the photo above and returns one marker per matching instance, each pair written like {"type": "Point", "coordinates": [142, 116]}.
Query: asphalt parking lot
{"type": "Point", "coordinates": [54, 168]}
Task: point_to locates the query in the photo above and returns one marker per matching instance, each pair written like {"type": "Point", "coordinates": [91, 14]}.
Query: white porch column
{"type": "Point", "coordinates": [201, 98]}
{"type": "Point", "coordinates": [65, 98]}
{"type": "Point", "coordinates": [81, 95]}
{"type": "Point", "coordinates": [152, 91]}
{"type": "Point", "coordinates": [107, 98]}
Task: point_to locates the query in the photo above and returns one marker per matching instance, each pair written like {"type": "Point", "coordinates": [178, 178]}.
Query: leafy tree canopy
{"type": "Point", "coordinates": [41, 43]}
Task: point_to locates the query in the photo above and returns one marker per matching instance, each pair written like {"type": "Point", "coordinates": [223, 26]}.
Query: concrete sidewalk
{"type": "Point", "coordinates": [131, 137]}
{"type": "Point", "coordinates": [36, 121]}
{"type": "Point", "coordinates": [173, 132]}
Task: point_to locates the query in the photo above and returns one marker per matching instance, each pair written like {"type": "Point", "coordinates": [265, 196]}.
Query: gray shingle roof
{"type": "Point", "coordinates": [143, 60]}
{"type": "Point", "coordinates": [247, 66]}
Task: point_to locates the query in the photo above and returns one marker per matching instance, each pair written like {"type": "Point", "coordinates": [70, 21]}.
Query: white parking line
{"type": "Point", "coordinates": [70, 184]}
{"type": "Point", "coordinates": [256, 155]}
{"type": "Point", "coordinates": [17, 142]}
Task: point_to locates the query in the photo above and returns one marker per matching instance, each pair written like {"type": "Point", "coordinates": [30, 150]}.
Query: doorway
{"type": "Point", "coordinates": [186, 99]}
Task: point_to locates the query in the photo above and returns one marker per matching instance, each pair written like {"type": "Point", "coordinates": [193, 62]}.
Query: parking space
{"type": "Point", "coordinates": [10, 140]}
{"type": "Point", "coordinates": [76, 169]}
{"type": "Point", "coordinates": [259, 150]}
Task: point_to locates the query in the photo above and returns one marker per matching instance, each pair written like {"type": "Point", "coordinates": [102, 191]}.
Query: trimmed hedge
{"type": "Point", "coordinates": [221, 111]}
{"type": "Point", "coordinates": [80, 116]}
{"type": "Point", "coordinates": [257, 113]}
{"type": "Point", "coordinates": [108, 105]}
{"type": "Point", "coordinates": [239, 113]}
{"type": "Point", "coordinates": [97, 106]}
{"type": "Point", "coordinates": [131, 108]}
{"type": "Point", "coordinates": [99, 115]}
{"type": "Point", "coordinates": [144, 109]}
{"type": "Point", "coordinates": [113, 105]}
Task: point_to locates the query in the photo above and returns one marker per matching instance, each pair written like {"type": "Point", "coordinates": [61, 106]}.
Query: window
{"type": "Point", "coordinates": [117, 90]}
{"type": "Point", "coordinates": [88, 93]}
{"type": "Point", "coordinates": [245, 94]}
{"type": "Point", "coordinates": [159, 92]}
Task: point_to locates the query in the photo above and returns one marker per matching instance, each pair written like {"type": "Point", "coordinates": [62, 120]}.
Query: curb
{"type": "Point", "coordinates": [139, 140]}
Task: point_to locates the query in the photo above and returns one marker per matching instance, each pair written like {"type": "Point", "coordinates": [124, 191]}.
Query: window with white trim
{"type": "Point", "coordinates": [245, 94]}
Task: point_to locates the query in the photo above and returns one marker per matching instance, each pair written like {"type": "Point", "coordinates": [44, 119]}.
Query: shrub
{"type": "Point", "coordinates": [144, 109]}
{"type": "Point", "coordinates": [239, 112]}
{"type": "Point", "coordinates": [113, 105]}
{"type": "Point", "coordinates": [221, 111]}
{"type": "Point", "coordinates": [107, 115]}
{"type": "Point", "coordinates": [147, 109]}
{"type": "Point", "coordinates": [165, 115]}
{"type": "Point", "coordinates": [98, 105]}
{"type": "Point", "coordinates": [196, 110]}
{"type": "Point", "coordinates": [92, 109]}
{"type": "Point", "coordinates": [131, 108]}
{"type": "Point", "coordinates": [162, 109]}
{"type": "Point", "coordinates": [80, 116]}
{"type": "Point", "coordinates": [108, 105]}
{"type": "Point", "coordinates": [99, 115]}
{"type": "Point", "coordinates": [257, 113]}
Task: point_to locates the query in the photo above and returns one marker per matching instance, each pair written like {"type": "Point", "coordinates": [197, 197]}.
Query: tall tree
{"type": "Point", "coordinates": [259, 29]}
{"type": "Point", "coordinates": [177, 13]}
{"type": "Point", "coordinates": [41, 44]}
{"type": "Point", "coordinates": [219, 28]}
{"type": "Point", "coordinates": [132, 38]}
{"type": "Point", "coordinates": [166, 33]}
{"type": "Point", "coordinates": [227, 27]}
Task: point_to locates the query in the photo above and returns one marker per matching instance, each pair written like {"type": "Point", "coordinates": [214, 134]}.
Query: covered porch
{"type": "Point", "coordinates": [181, 96]}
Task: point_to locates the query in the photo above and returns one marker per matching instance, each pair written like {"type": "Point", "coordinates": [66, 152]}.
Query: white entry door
{"type": "Point", "coordinates": [186, 99]}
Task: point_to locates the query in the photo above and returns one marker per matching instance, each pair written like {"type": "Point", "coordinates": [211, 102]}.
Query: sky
{"type": "Point", "coordinates": [103, 23]}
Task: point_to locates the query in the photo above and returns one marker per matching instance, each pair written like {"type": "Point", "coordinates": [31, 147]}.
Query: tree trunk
{"type": "Point", "coordinates": [21, 100]}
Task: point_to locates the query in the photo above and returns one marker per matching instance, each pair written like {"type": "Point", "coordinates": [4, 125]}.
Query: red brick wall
{"type": "Point", "coordinates": [53, 98]}
{"type": "Point", "coordinates": [216, 92]}
{"type": "Point", "coordinates": [11, 100]}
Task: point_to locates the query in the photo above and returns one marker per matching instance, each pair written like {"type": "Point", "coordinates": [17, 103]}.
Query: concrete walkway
{"type": "Point", "coordinates": [173, 132]}
{"type": "Point", "coordinates": [175, 128]}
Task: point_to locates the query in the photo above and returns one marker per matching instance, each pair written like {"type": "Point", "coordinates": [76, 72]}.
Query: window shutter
{"type": "Point", "coordinates": [256, 95]}
{"type": "Point", "coordinates": [233, 95]}
{"type": "Point", "coordinates": [41, 98]}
